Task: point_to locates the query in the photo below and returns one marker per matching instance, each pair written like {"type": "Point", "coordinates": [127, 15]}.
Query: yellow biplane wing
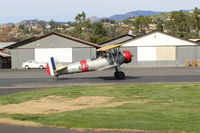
{"type": "Point", "coordinates": [109, 47]}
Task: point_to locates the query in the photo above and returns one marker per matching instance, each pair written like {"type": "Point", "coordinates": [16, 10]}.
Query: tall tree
{"type": "Point", "coordinates": [99, 33]}
{"type": "Point", "coordinates": [54, 24]}
{"type": "Point", "coordinates": [180, 22]}
{"type": "Point", "coordinates": [141, 23]}
{"type": "Point", "coordinates": [108, 20]}
{"type": "Point", "coordinates": [42, 24]}
{"type": "Point", "coordinates": [159, 27]}
{"type": "Point", "coordinates": [195, 19]}
{"type": "Point", "coordinates": [22, 27]}
{"type": "Point", "coordinates": [98, 29]}
{"type": "Point", "coordinates": [81, 22]}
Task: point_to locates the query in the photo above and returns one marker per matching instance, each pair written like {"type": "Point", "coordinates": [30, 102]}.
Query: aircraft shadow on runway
{"type": "Point", "coordinates": [96, 78]}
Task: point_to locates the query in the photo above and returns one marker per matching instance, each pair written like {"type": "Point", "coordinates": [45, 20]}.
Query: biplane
{"type": "Point", "coordinates": [109, 57]}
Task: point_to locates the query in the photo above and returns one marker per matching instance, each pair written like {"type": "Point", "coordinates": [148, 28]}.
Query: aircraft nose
{"type": "Point", "coordinates": [128, 56]}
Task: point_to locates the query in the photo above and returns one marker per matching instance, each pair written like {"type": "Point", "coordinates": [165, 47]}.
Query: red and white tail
{"type": "Point", "coordinates": [51, 67]}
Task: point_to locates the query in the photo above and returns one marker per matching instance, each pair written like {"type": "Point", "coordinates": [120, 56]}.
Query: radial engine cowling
{"type": "Point", "coordinates": [128, 56]}
{"type": "Point", "coordinates": [123, 57]}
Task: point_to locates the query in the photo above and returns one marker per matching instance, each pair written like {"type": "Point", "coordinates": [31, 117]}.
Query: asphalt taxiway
{"type": "Point", "coordinates": [22, 129]}
{"type": "Point", "coordinates": [13, 81]}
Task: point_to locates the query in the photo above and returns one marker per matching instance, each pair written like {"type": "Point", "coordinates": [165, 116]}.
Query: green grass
{"type": "Point", "coordinates": [171, 107]}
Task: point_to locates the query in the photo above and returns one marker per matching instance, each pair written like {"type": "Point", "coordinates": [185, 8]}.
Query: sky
{"type": "Point", "coordinates": [66, 10]}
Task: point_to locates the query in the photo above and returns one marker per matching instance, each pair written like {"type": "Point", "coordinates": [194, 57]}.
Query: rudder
{"type": "Point", "coordinates": [51, 67]}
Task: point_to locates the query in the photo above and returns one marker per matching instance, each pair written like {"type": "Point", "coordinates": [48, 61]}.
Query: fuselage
{"type": "Point", "coordinates": [107, 60]}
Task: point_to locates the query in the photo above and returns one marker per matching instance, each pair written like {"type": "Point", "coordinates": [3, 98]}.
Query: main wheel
{"type": "Point", "coordinates": [115, 74]}
{"type": "Point", "coordinates": [119, 75]}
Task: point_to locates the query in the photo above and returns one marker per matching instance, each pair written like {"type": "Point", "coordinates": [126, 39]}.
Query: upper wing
{"type": "Point", "coordinates": [109, 47]}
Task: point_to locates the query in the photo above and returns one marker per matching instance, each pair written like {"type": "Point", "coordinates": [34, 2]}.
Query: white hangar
{"type": "Point", "coordinates": [161, 49]}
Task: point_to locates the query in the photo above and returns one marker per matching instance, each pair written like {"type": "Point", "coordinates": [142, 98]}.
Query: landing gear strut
{"type": "Point", "coordinates": [119, 74]}
{"type": "Point", "coordinates": [56, 76]}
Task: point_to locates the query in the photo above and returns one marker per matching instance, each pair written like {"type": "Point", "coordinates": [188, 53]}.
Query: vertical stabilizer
{"type": "Point", "coordinates": [51, 67]}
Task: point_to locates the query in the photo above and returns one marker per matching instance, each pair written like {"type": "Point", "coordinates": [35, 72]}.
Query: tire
{"type": "Point", "coordinates": [41, 67]}
{"type": "Point", "coordinates": [26, 67]}
{"type": "Point", "coordinates": [119, 75]}
{"type": "Point", "coordinates": [115, 74]}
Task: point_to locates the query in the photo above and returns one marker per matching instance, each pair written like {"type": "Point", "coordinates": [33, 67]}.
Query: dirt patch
{"type": "Point", "coordinates": [55, 104]}
{"type": "Point", "coordinates": [10, 121]}
{"type": "Point", "coordinates": [114, 104]}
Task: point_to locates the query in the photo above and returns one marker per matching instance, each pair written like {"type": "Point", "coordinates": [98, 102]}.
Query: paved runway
{"type": "Point", "coordinates": [21, 129]}
{"type": "Point", "coordinates": [12, 81]}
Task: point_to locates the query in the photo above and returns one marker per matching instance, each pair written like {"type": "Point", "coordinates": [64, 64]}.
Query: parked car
{"type": "Point", "coordinates": [33, 64]}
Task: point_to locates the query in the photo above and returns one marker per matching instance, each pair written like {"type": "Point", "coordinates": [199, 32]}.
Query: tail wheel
{"type": "Point", "coordinates": [119, 75]}
{"type": "Point", "coordinates": [26, 67]}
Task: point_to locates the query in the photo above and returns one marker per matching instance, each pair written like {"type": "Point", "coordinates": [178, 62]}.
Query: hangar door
{"type": "Point", "coordinates": [156, 53]}
{"type": "Point", "coordinates": [166, 53]}
{"type": "Point", "coordinates": [60, 54]}
{"type": "Point", "coordinates": [146, 54]}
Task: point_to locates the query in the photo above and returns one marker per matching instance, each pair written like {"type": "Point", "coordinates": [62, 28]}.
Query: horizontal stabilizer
{"type": "Point", "coordinates": [60, 69]}
{"type": "Point", "coordinates": [50, 68]}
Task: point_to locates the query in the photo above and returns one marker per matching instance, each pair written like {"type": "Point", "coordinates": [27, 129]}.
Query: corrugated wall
{"type": "Point", "coordinates": [83, 53]}
{"type": "Point", "coordinates": [184, 53]}
{"type": "Point", "coordinates": [181, 54]}
{"type": "Point", "coordinates": [133, 51]}
{"type": "Point", "coordinates": [197, 52]}
{"type": "Point", "coordinates": [156, 63]}
{"type": "Point", "coordinates": [0, 62]}
{"type": "Point", "coordinates": [21, 55]}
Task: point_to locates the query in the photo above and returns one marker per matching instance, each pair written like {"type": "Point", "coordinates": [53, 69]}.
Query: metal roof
{"type": "Point", "coordinates": [115, 38]}
{"type": "Point", "coordinates": [5, 44]}
{"type": "Point", "coordinates": [147, 34]}
{"type": "Point", "coordinates": [52, 33]}
{"type": "Point", "coordinates": [195, 40]}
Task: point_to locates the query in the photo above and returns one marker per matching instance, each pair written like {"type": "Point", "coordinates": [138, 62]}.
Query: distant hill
{"type": "Point", "coordinates": [94, 19]}
{"type": "Point", "coordinates": [134, 14]}
{"type": "Point", "coordinates": [119, 17]}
